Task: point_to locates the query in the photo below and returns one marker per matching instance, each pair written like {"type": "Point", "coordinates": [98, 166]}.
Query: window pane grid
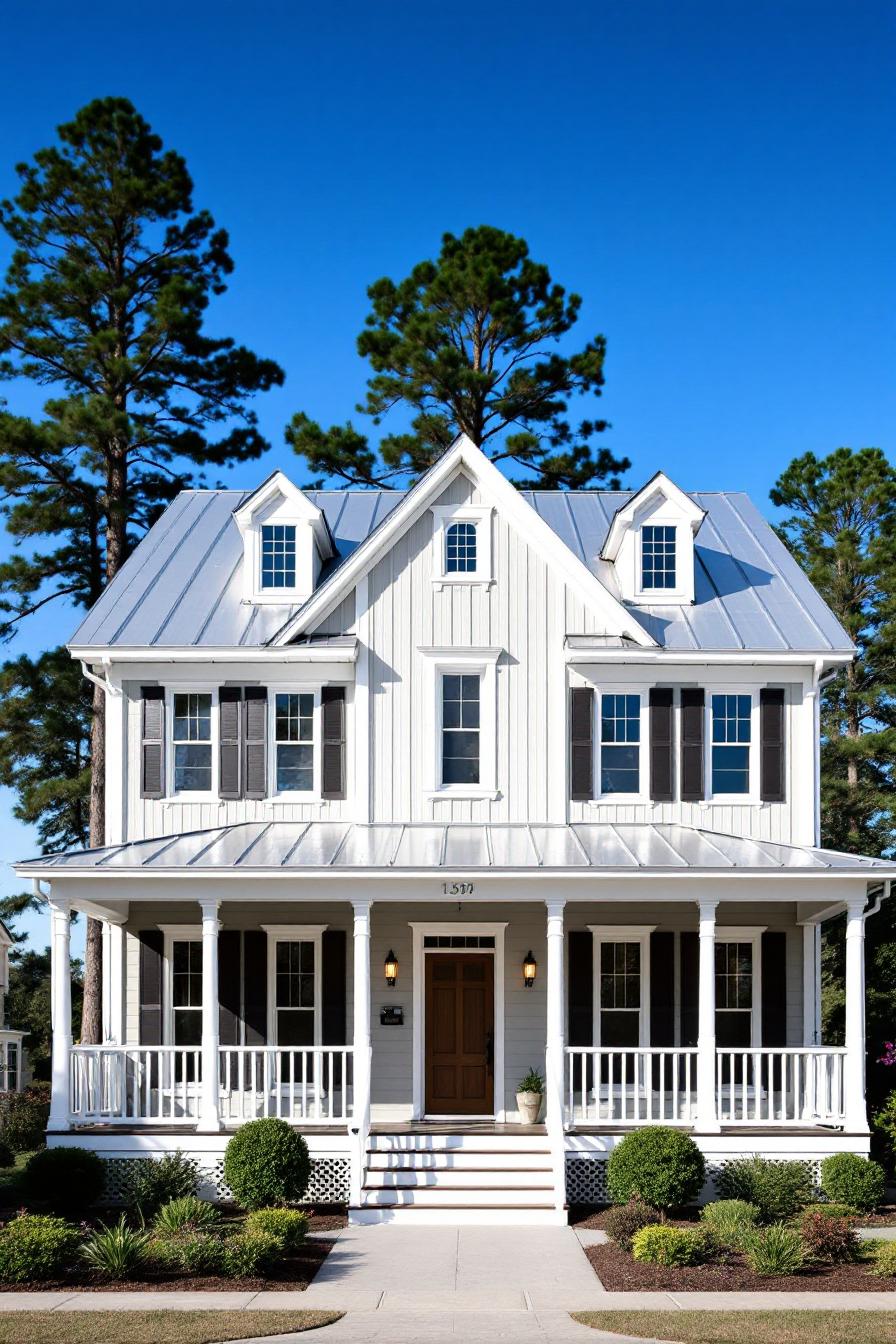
{"type": "Point", "coordinates": [658, 557]}
{"type": "Point", "coordinates": [191, 736]}
{"type": "Point", "coordinates": [186, 991]}
{"type": "Point", "coordinates": [734, 976]}
{"type": "Point", "coordinates": [294, 742]}
{"type": "Point", "coordinates": [460, 729]}
{"type": "Point", "coordinates": [731, 735]}
{"type": "Point", "coordinates": [620, 737]}
{"type": "Point", "coordinates": [278, 555]}
{"type": "Point", "coordinates": [460, 548]}
{"type": "Point", "coordinates": [294, 976]}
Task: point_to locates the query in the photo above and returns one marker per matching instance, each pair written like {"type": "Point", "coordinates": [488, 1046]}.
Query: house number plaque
{"type": "Point", "coordinates": [458, 888]}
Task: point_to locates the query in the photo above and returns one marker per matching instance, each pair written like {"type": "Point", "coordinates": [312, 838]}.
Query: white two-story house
{"type": "Point", "coordinates": [410, 792]}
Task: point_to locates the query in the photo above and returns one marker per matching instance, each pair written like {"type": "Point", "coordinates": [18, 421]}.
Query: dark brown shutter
{"type": "Point", "coordinates": [152, 746]}
{"type": "Point", "coordinates": [255, 985]}
{"type": "Point", "coordinates": [771, 735]}
{"type": "Point", "coordinates": [333, 977]}
{"type": "Point", "coordinates": [690, 987]}
{"type": "Point", "coordinates": [661, 748]}
{"type": "Point", "coordinates": [692, 787]}
{"type": "Point", "coordinates": [332, 699]}
{"type": "Point", "coordinates": [229, 982]}
{"type": "Point", "coordinates": [580, 988]}
{"type": "Point", "coordinates": [255, 725]}
{"type": "Point", "coordinates": [581, 743]}
{"type": "Point", "coordinates": [150, 981]}
{"type": "Point", "coordinates": [230, 700]}
{"type": "Point", "coordinates": [662, 987]}
{"type": "Point", "coordinates": [774, 987]}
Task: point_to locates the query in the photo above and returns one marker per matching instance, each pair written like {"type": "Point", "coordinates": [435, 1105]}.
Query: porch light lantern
{"type": "Point", "coordinates": [390, 968]}
{"type": "Point", "coordinates": [530, 969]}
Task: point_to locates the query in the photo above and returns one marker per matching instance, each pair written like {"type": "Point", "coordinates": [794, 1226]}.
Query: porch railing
{"type": "Point", "coordinates": [312, 1084]}
{"type": "Point", "coordinates": [781, 1086]}
{"type": "Point", "coordinates": [141, 1084]}
{"type": "Point", "coordinates": [653, 1085]}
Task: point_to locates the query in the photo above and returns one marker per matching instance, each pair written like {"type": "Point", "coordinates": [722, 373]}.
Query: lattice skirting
{"type": "Point", "coordinates": [329, 1182]}
{"type": "Point", "coordinates": [586, 1179]}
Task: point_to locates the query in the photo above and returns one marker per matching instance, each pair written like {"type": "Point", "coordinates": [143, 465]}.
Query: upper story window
{"type": "Point", "coordinates": [278, 555]}
{"type": "Point", "coordinates": [460, 548]}
{"type": "Point", "coordinates": [294, 742]}
{"type": "Point", "coordinates": [460, 728]}
{"type": "Point", "coordinates": [620, 743]}
{"type": "Point", "coordinates": [731, 734]}
{"type": "Point", "coordinates": [192, 742]}
{"type": "Point", "coordinates": [657, 556]}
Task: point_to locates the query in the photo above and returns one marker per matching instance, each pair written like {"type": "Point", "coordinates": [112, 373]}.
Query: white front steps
{"type": "Point", "coordinates": [423, 1177]}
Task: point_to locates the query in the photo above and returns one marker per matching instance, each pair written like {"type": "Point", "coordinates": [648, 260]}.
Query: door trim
{"type": "Point", "coordinates": [418, 932]}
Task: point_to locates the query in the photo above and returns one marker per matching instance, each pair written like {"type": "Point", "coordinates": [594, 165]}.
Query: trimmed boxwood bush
{"type": "Point", "coordinates": [622, 1222]}
{"type": "Point", "coordinates": [664, 1167]}
{"type": "Point", "coordinates": [854, 1180]}
{"type": "Point", "coordinates": [250, 1254]}
{"type": "Point", "coordinates": [266, 1163]}
{"type": "Point", "coordinates": [24, 1116]}
{"type": "Point", "coordinates": [661, 1244]}
{"type": "Point", "coordinates": [778, 1189]}
{"type": "Point", "coordinates": [885, 1260]}
{"type": "Point", "coordinates": [36, 1246]}
{"type": "Point", "coordinates": [68, 1179]}
{"type": "Point", "coordinates": [289, 1226]}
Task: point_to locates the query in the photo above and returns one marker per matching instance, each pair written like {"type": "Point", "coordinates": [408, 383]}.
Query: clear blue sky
{"type": "Point", "coordinates": [715, 179]}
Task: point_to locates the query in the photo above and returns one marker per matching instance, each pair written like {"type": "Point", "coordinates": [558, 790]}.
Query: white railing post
{"type": "Point", "coordinates": [60, 1013]}
{"type": "Point", "coordinates": [707, 1117]}
{"type": "Point", "coordinates": [854, 1034]}
{"type": "Point", "coordinates": [555, 1050]}
{"type": "Point", "coordinates": [209, 1105]}
{"type": "Point", "coordinates": [360, 1122]}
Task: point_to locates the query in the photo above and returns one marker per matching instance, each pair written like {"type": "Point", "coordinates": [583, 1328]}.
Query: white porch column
{"type": "Point", "coordinates": [107, 984]}
{"type": "Point", "coordinates": [209, 1108]}
{"type": "Point", "coordinates": [555, 1052]}
{"type": "Point", "coordinates": [60, 1012]}
{"type": "Point", "coordinates": [116, 983]}
{"type": "Point", "coordinates": [856, 1118]}
{"type": "Point", "coordinates": [707, 1115]}
{"type": "Point", "coordinates": [360, 1121]}
{"type": "Point", "coordinates": [811, 984]}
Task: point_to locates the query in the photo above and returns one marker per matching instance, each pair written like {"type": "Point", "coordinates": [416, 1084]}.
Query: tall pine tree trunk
{"type": "Point", "coordinates": [92, 1007]}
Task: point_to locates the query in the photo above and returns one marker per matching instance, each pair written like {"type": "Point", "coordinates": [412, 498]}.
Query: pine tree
{"type": "Point", "coordinates": [468, 343]}
{"type": "Point", "coordinates": [104, 304]}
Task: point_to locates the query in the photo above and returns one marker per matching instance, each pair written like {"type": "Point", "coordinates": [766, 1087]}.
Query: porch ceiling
{"type": "Point", "coordinates": [282, 846]}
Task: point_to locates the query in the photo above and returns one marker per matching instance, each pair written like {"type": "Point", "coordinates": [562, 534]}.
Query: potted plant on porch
{"type": "Point", "coordinates": [529, 1095]}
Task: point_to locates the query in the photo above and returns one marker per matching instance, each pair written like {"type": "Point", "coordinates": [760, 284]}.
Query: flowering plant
{"type": "Point", "coordinates": [889, 1054]}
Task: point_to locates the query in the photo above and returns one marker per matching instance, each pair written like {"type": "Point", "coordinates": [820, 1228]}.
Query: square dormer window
{"type": "Point", "coordinates": [462, 544]}
{"type": "Point", "coordinates": [460, 548]}
{"type": "Point", "coordinates": [278, 555]}
{"type": "Point", "coordinates": [657, 557]}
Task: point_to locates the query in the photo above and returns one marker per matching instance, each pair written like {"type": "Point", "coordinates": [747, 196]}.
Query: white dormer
{"type": "Point", "coordinates": [285, 542]}
{"type": "Point", "coordinates": [651, 545]}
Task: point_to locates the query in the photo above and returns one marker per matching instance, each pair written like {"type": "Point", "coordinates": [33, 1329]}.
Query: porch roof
{"type": "Point", "coordinates": [318, 846]}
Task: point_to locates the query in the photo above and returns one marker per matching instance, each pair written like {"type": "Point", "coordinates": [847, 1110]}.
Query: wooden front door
{"type": "Point", "coordinates": [460, 1033]}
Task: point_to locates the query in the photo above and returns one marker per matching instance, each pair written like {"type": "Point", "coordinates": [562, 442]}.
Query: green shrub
{"type": "Point", "coordinates": [853, 1180]}
{"type": "Point", "coordinates": [7, 1156]}
{"type": "Point", "coordinates": [774, 1250]}
{"type": "Point", "coordinates": [250, 1254]}
{"type": "Point", "coordinates": [36, 1246]}
{"type": "Point", "coordinates": [883, 1127]}
{"type": "Point", "coordinates": [191, 1251]}
{"type": "Point", "coordinates": [116, 1252]}
{"type": "Point", "coordinates": [662, 1166]}
{"type": "Point", "coordinates": [661, 1244]}
{"type": "Point", "coordinates": [828, 1238]}
{"type": "Point", "coordinates": [730, 1221]}
{"type": "Point", "coordinates": [778, 1189]}
{"type": "Point", "coordinates": [187, 1214]}
{"type": "Point", "coordinates": [266, 1163]}
{"type": "Point", "coordinates": [151, 1182]}
{"type": "Point", "coordinates": [831, 1210]}
{"type": "Point", "coordinates": [68, 1179]}
{"type": "Point", "coordinates": [24, 1116]}
{"type": "Point", "coordinates": [289, 1226]}
{"type": "Point", "coordinates": [623, 1221]}
{"type": "Point", "coordinates": [885, 1260]}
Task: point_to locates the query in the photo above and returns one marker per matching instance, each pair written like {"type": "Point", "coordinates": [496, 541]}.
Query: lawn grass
{"type": "Point", "coordinates": [154, 1327]}
{"type": "Point", "coordinates": [748, 1327]}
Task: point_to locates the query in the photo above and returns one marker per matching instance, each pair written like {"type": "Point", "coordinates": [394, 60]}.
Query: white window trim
{"type": "Point", "coordinates": [419, 932]}
{"type": "Point", "coordinates": [752, 934]}
{"type": "Point", "coordinates": [676, 596]}
{"type": "Point", "coordinates": [642, 796]}
{"type": "Point", "coordinates": [171, 934]}
{"type": "Point", "coordinates": [212, 794]}
{"type": "Point", "coordinates": [622, 933]}
{"type": "Point", "coordinates": [751, 798]}
{"type": "Point", "coordinates": [478, 662]}
{"type": "Point", "coordinates": [445, 515]}
{"type": "Point", "coordinates": [294, 933]}
{"type": "Point", "coordinates": [274, 794]}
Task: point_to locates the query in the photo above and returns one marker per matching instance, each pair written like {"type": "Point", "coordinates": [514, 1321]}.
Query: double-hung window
{"type": "Point", "coordinates": [294, 992]}
{"type": "Point", "coordinates": [731, 733]}
{"type": "Point", "coordinates": [734, 995]}
{"type": "Point", "coordinates": [657, 557]}
{"type": "Point", "coordinates": [619, 979]}
{"type": "Point", "coordinates": [620, 743]}
{"type": "Point", "coordinates": [460, 728]}
{"type": "Point", "coordinates": [186, 991]}
{"type": "Point", "coordinates": [192, 741]}
{"type": "Point", "coordinates": [294, 741]}
{"type": "Point", "coordinates": [278, 555]}
{"type": "Point", "coordinates": [460, 548]}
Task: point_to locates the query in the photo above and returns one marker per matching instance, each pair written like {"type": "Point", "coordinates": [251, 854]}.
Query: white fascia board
{"type": "Point", "coordinates": [659, 484]}
{"type": "Point", "coordinates": [464, 453]}
{"type": "Point", "coordinates": [204, 653]}
{"type": "Point", "coordinates": [689, 657]}
{"type": "Point", "coordinates": [352, 875]}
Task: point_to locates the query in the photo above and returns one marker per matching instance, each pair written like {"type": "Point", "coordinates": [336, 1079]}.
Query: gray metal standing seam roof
{"type": "Point", "coordinates": [318, 845]}
{"type": "Point", "coordinates": [182, 587]}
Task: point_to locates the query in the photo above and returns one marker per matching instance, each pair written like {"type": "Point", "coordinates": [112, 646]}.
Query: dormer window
{"type": "Point", "coordinates": [278, 555]}
{"type": "Point", "coordinates": [460, 548]}
{"type": "Point", "coordinates": [657, 557]}
{"type": "Point", "coordinates": [462, 543]}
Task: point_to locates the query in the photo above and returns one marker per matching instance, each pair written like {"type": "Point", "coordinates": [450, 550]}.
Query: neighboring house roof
{"type": "Point", "coordinates": [182, 587]}
{"type": "Point", "coordinates": [339, 847]}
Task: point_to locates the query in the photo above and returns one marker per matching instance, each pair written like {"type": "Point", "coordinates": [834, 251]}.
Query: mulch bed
{"type": "Point", "coordinates": [588, 1216]}
{"type": "Point", "coordinates": [619, 1273]}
